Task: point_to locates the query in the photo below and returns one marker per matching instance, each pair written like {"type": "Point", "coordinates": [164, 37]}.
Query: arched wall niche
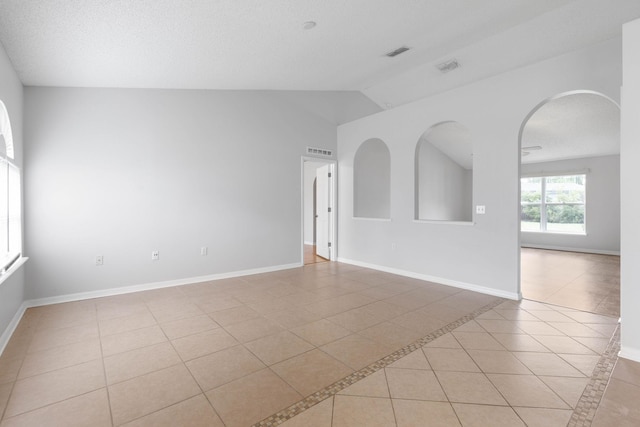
{"type": "Point", "coordinates": [372, 180]}
{"type": "Point", "coordinates": [444, 173]}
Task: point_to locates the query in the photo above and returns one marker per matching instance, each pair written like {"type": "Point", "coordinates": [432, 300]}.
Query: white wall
{"type": "Point", "coordinates": [123, 172]}
{"type": "Point", "coordinates": [630, 196]}
{"type": "Point", "coordinates": [11, 94]}
{"type": "Point", "coordinates": [602, 209]}
{"type": "Point", "coordinates": [444, 186]}
{"type": "Point", "coordinates": [371, 174]}
{"type": "Point", "coordinates": [484, 256]}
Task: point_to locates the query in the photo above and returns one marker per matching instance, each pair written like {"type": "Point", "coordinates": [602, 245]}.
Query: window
{"type": "Point", "coordinates": [553, 204]}
{"type": "Point", "coordinates": [10, 217]}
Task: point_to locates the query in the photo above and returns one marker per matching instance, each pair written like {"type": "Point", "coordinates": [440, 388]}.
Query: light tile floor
{"type": "Point", "coordinates": [588, 282]}
{"type": "Point", "coordinates": [352, 346]}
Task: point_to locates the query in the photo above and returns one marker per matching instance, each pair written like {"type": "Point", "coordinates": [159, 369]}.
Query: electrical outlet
{"type": "Point", "coordinates": [204, 251]}
{"type": "Point", "coordinates": [99, 260]}
{"type": "Point", "coordinates": [480, 209]}
{"type": "Point", "coordinates": [155, 255]}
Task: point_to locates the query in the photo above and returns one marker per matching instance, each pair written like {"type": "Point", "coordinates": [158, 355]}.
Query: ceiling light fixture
{"type": "Point", "coordinates": [449, 65]}
{"type": "Point", "coordinates": [397, 52]}
{"type": "Point", "coordinates": [309, 25]}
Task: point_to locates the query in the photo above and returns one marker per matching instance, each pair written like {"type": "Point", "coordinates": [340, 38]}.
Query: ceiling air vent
{"type": "Point", "coordinates": [449, 65]}
{"type": "Point", "coordinates": [323, 152]}
{"type": "Point", "coordinates": [397, 52]}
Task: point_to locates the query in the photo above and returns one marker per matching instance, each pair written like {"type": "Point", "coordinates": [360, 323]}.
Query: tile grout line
{"type": "Point", "coordinates": [588, 403]}
{"type": "Point", "coordinates": [331, 390]}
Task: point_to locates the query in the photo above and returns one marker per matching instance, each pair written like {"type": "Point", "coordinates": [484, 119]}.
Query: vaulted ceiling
{"type": "Point", "coordinates": [262, 44]}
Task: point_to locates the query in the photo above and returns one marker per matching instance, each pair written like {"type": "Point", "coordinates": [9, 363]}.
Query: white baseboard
{"type": "Point", "coordinates": [157, 285]}
{"type": "Point", "coordinates": [568, 249]}
{"type": "Point", "coordinates": [310, 243]}
{"type": "Point", "coordinates": [629, 353]}
{"type": "Point", "coordinates": [456, 284]}
{"type": "Point", "coordinates": [11, 327]}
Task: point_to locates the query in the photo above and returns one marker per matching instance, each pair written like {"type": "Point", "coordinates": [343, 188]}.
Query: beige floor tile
{"type": "Point", "coordinates": [60, 357]}
{"type": "Point", "coordinates": [5, 393]}
{"type": "Point", "coordinates": [547, 364]}
{"type": "Point", "coordinates": [253, 329]}
{"type": "Point", "coordinates": [356, 351]}
{"type": "Point", "coordinates": [443, 312]}
{"type": "Point", "coordinates": [178, 310]}
{"type": "Point", "coordinates": [127, 323]}
{"type": "Point", "coordinates": [526, 390]}
{"type": "Point", "coordinates": [471, 326]}
{"type": "Point", "coordinates": [189, 326]}
{"type": "Point", "coordinates": [550, 316]}
{"type": "Point", "coordinates": [498, 362]}
{"type": "Point", "coordinates": [126, 341]}
{"type": "Point", "coordinates": [113, 308]}
{"type": "Point", "coordinates": [148, 393]}
{"type": "Point", "coordinates": [575, 329]}
{"type": "Point", "coordinates": [500, 326]}
{"type": "Point", "coordinates": [193, 412]}
{"type": "Point", "coordinates": [419, 322]}
{"type": "Point", "coordinates": [469, 387]}
{"type": "Point", "coordinates": [598, 345]}
{"type": "Point", "coordinates": [62, 318]}
{"type": "Point", "coordinates": [384, 310]}
{"type": "Point", "coordinates": [538, 328]}
{"type": "Point", "coordinates": [520, 342]}
{"type": "Point", "coordinates": [351, 411]}
{"type": "Point", "coordinates": [375, 385]}
{"type": "Point", "coordinates": [390, 334]}
{"type": "Point", "coordinates": [484, 415]}
{"type": "Point", "coordinates": [444, 341]}
{"type": "Point", "coordinates": [47, 339]}
{"type": "Point", "coordinates": [477, 341]}
{"type": "Point", "coordinates": [234, 315]}
{"type": "Point", "coordinates": [321, 332]}
{"type": "Point", "coordinates": [41, 390]}
{"type": "Point", "coordinates": [414, 384]}
{"type": "Point", "coordinates": [203, 343]}
{"type": "Point", "coordinates": [450, 359]}
{"type": "Point", "coordinates": [292, 318]}
{"type": "Point", "coordinates": [355, 320]}
{"type": "Point", "coordinates": [311, 371]}
{"type": "Point", "coordinates": [621, 401]}
{"type": "Point", "coordinates": [9, 368]}
{"type": "Point", "coordinates": [558, 344]}
{"type": "Point", "coordinates": [583, 362]}
{"type": "Point", "coordinates": [224, 366]}
{"type": "Point", "coordinates": [543, 417]}
{"type": "Point", "coordinates": [628, 371]}
{"type": "Point", "coordinates": [267, 392]}
{"type": "Point", "coordinates": [124, 366]}
{"type": "Point", "coordinates": [411, 413]}
{"type": "Point", "coordinates": [91, 409]}
{"type": "Point", "coordinates": [414, 360]}
{"type": "Point", "coordinates": [569, 389]}
{"type": "Point", "coordinates": [608, 417]}
{"type": "Point", "coordinates": [278, 347]}
{"type": "Point", "coordinates": [319, 415]}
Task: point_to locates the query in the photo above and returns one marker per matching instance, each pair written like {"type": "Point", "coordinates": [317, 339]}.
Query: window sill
{"type": "Point", "coordinates": [16, 265]}
{"type": "Point", "coordinates": [434, 221]}
{"type": "Point", "coordinates": [553, 232]}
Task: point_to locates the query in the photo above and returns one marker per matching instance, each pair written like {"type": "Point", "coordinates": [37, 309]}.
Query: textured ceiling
{"type": "Point", "coordinates": [261, 45]}
{"type": "Point", "coordinates": [573, 126]}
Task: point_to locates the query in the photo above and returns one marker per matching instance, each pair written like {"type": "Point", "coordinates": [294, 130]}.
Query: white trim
{"type": "Point", "coordinates": [435, 221]}
{"type": "Point", "coordinates": [309, 243]}
{"type": "Point", "coordinates": [19, 262]}
{"type": "Point", "coordinates": [454, 283]}
{"type": "Point", "coordinates": [545, 174]}
{"type": "Point", "coordinates": [11, 327]}
{"type": "Point", "coordinates": [568, 249]}
{"type": "Point", "coordinates": [156, 285]}
{"type": "Point", "coordinates": [629, 353]}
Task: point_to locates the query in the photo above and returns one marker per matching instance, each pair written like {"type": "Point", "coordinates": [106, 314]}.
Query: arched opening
{"type": "Point", "coordinates": [570, 202]}
{"type": "Point", "coordinates": [372, 180]}
{"type": "Point", "coordinates": [444, 173]}
{"type": "Point", "coordinates": [10, 212]}
{"type": "Point", "coordinates": [6, 143]}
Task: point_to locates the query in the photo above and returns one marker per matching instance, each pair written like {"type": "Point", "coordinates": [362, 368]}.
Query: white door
{"type": "Point", "coordinates": [323, 193]}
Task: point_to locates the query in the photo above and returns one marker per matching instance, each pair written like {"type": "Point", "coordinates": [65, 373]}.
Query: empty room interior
{"type": "Point", "coordinates": [323, 214]}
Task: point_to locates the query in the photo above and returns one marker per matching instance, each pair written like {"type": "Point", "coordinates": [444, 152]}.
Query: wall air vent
{"type": "Point", "coordinates": [449, 65]}
{"type": "Point", "coordinates": [322, 152]}
{"type": "Point", "coordinates": [397, 52]}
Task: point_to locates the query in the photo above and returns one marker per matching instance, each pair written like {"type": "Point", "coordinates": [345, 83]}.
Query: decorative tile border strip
{"type": "Point", "coordinates": [317, 397]}
{"type": "Point", "coordinates": [590, 400]}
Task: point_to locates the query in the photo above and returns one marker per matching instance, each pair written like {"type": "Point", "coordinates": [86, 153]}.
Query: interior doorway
{"type": "Point", "coordinates": [318, 211]}
{"type": "Point", "coordinates": [570, 203]}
